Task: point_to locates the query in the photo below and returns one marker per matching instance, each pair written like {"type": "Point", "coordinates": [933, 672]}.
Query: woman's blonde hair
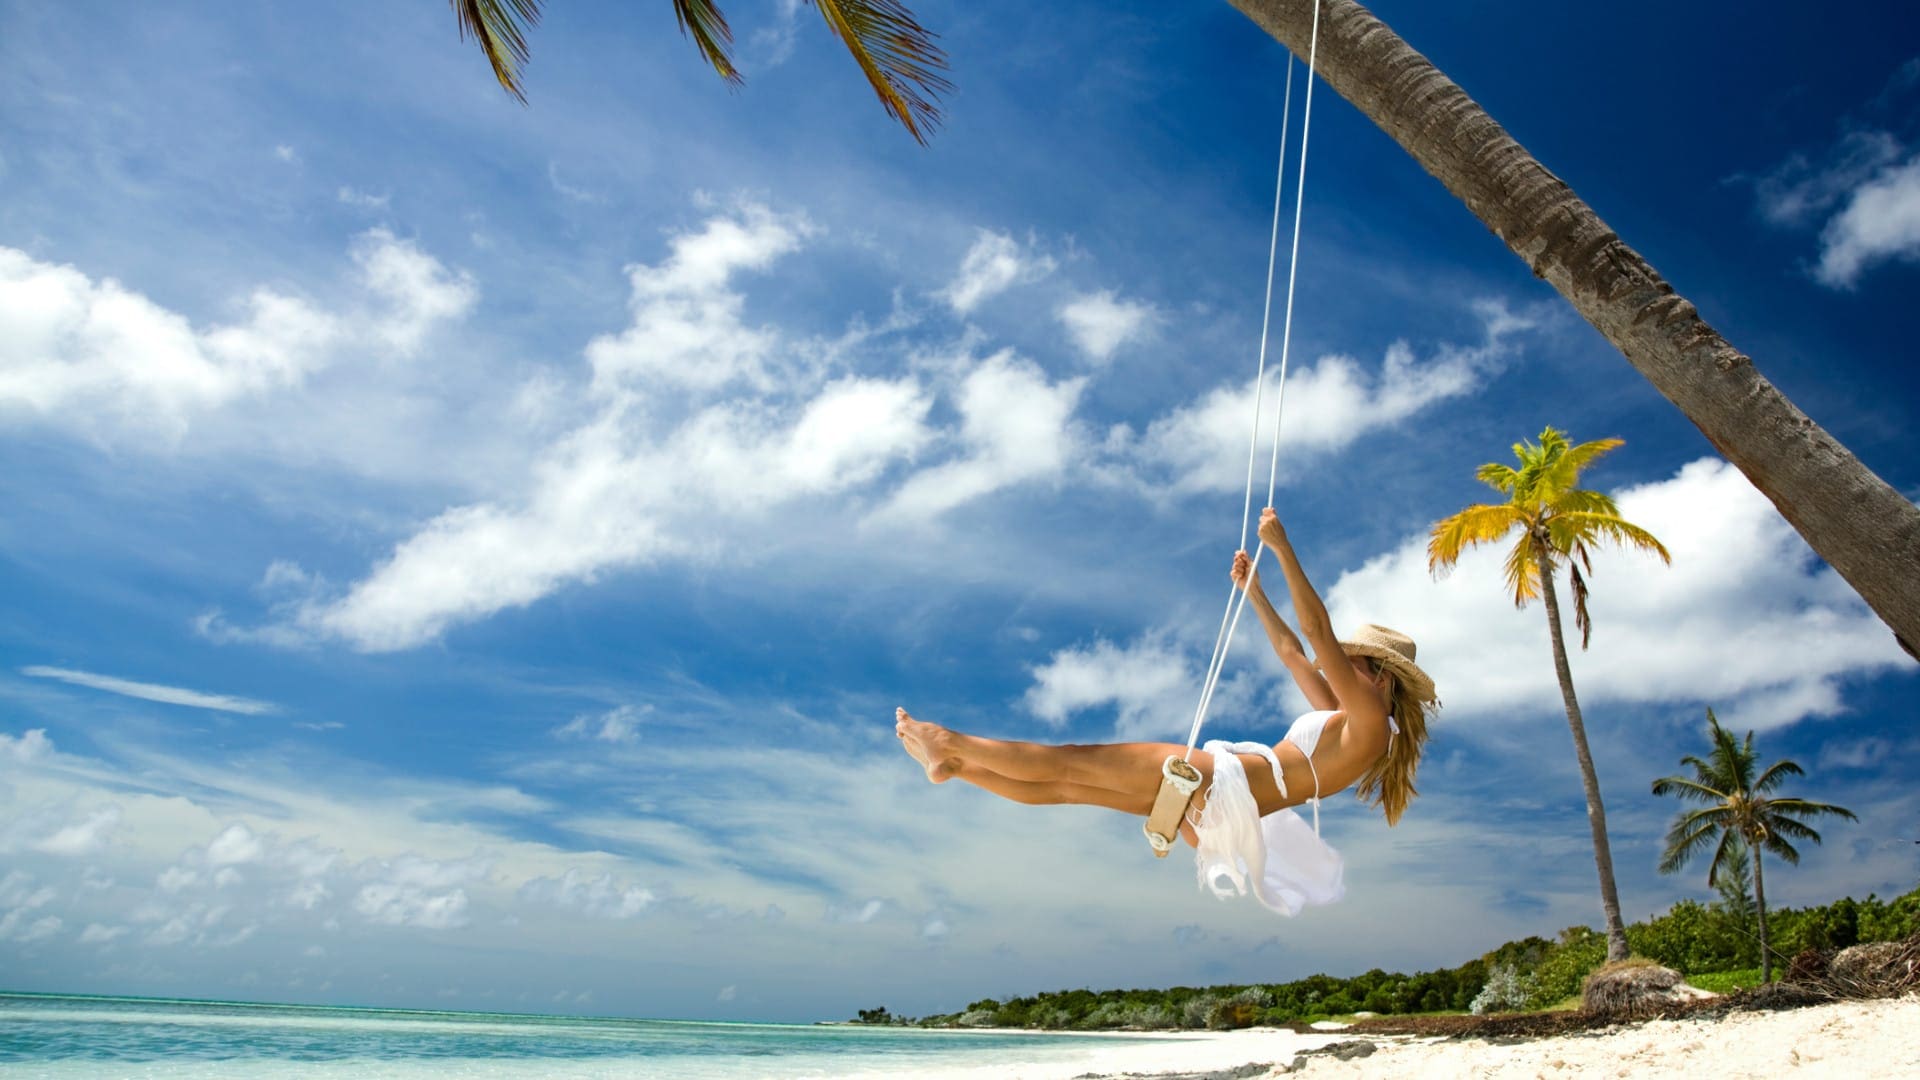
{"type": "Point", "coordinates": [1388, 782]}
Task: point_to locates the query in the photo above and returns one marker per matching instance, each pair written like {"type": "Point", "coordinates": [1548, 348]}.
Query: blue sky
{"type": "Point", "coordinates": [463, 554]}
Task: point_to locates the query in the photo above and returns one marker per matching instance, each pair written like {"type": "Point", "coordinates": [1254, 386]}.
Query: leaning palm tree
{"type": "Point", "coordinates": [1851, 518]}
{"type": "Point", "coordinates": [1738, 808]}
{"type": "Point", "coordinates": [1557, 522]}
{"type": "Point", "coordinates": [894, 51]}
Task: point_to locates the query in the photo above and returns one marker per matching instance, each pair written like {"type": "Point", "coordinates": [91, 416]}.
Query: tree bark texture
{"type": "Point", "coordinates": [1596, 811]}
{"type": "Point", "coordinates": [1760, 906]}
{"type": "Point", "coordinates": [1853, 519]}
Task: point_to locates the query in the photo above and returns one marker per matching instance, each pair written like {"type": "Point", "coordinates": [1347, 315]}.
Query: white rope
{"type": "Point", "coordinates": [1236, 604]}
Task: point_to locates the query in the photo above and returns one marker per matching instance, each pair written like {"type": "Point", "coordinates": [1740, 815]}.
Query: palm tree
{"type": "Point", "coordinates": [1739, 807]}
{"type": "Point", "coordinates": [894, 51]}
{"type": "Point", "coordinates": [1851, 518]}
{"type": "Point", "coordinates": [1557, 522]}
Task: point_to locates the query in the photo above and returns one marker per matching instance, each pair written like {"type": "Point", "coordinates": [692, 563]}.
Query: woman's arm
{"type": "Point", "coordinates": [1286, 646]}
{"type": "Point", "coordinates": [1358, 698]}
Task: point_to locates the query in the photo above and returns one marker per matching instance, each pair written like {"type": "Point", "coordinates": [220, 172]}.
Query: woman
{"type": "Point", "coordinates": [1368, 728]}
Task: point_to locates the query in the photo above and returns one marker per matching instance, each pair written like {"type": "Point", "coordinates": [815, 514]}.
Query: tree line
{"type": "Point", "coordinates": [1716, 943]}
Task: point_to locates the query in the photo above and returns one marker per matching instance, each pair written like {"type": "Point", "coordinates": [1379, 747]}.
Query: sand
{"type": "Point", "coordinates": [1846, 1039]}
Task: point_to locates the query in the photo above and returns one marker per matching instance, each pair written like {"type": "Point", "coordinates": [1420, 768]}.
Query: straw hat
{"type": "Point", "coordinates": [1395, 651]}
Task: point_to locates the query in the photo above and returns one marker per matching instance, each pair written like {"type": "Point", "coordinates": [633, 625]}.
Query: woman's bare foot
{"type": "Point", "coordinates": [927, 743]}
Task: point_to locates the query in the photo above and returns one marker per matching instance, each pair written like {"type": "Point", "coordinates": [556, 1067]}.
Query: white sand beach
{"type": "Point", "coordinates": [1856, 1039]}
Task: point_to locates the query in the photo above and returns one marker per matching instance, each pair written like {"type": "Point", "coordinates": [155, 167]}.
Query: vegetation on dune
{"type": "Point", "coordinates": [1709, 944]}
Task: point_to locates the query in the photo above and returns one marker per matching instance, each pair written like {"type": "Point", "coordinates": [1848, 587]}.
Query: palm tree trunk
{"type": "Point", "coordinates": [1596, 813]}
{"type": "Point", "coordinates": [1854, 520]}
{"type": "Point", "coordinates": [1760, 906]}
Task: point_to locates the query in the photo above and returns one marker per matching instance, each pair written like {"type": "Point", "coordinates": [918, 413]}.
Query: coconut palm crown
{"type": "Point", "coordinates": [894, 51]}
{"type": "Point", "coordinates": [1556, 520]}
{"type": "Point", "coordinates": [1738, 808]}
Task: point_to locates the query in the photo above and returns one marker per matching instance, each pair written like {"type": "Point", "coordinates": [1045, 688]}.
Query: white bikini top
{"type": "Point", "coordinates": [1305, 734]}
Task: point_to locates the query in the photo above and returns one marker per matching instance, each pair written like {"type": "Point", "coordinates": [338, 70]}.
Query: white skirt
{"type": "Point", "coordinates": [1280, 855]}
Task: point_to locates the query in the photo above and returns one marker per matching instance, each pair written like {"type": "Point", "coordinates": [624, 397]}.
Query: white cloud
{"type": "Point", "coordinates": [686, 328]}
{"type": "Point", "coordinates": [99, 357]}
{"type": "Point", "coordinates": [400, 905]}
{"type": "Point", "coordinates": [995, 263]}
{"type": "Point", "coordinates": [1881, 222]}
{"type": "Point", "coordinates": [1797, 192]}
{"type": "Point", "coordinates": [28, 747]}
{"type": "Point", "coordinates": [727, 993]}
{"type": "Point", "coordinates": [418, 293]}
{"type": "Point", "coordinates": [620, 725]}
{"type": "Point", "coordinates": [1150, 683]}
{"type": "Point", "coordinates": [175, 878]}
{"type": "Point", "coordinates": [600, 897]}
{"type": "Point", "coordinates": [1099, 323]}
{"type": "Point", "coordinates": [1202, 446]}
{"type": "Point", "coordinates": [1745, 620]}
{"type": "Point", "coordinates": [286, 153]}
{"type": "Point", "coordinates": [98, 934]}
{"type": "Point", "coordinates": [1015, 427]}
{"type": "Point", "coordinates": [363, 200]}
{"type": "Point", "coordinates": [169, 695]}
{"type": "Point", "coordinates": [83, 837]}
{"type": "Point", "coordinates": [420, 892]}
{"type": "Point", "coordinates": [103, 361]}
{"type": "Point", "coordinates": [236, 845]}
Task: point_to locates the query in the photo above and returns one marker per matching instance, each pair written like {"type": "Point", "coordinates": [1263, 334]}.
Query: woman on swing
{"type": "Point", "coordinates": [1368, 727]}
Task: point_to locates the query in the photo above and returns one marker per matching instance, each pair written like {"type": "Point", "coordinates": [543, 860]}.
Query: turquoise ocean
{"type": "Point", "coordinates": [57, 1037]}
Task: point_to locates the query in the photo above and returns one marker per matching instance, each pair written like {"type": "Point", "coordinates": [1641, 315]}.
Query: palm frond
{"type": "Point", "coordinates": [701, 20]}
{"type": "Point", "coordinates": [1686, 839]}
{"type": "Point", "coordinates": [1590, 526]}
{"type": "Point", "coordinates": [898, 56]}
{"type": "Point", "coordinates": [1575, 459]}
{"type": "Point", "coordinates": [1585, 500]}
{"type": "Point", "coordinates": [1688, 789]}
{"type": "Point", "coordinates": [1478, 524]}
{"type": "Point", "coordinates": [500, 27]}
{"type": "Point", "coordinates": [1522, 570]}
{"type": "Point", "coordinates": [1724, 853]}
{"type": "Point", "coordinates": [1581, 620]}
{"type": "Point", "coordinates": [1789, 828]}
{"type": "Point", "coordinates": [1778, 845]}
{"type": "Point", "coordinates": [1808, 808]}
{"type": "Point", "coordinates": [1500, 478]}
{"type": "Point", "coordinates": [1775, 773]}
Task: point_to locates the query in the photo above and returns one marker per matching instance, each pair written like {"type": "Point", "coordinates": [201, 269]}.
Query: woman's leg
{"type": "Point", "coordinates": [1131, 769]}
{"type": "Point", "coordinates": [1056, 793]}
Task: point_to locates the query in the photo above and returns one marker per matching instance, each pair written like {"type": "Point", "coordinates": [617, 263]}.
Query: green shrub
{"type": "Point", "coordinates": [1721, 982]}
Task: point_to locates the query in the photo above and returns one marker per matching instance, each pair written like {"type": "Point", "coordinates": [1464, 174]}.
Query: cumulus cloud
{"type": "Point", "coordinates": [170, 695]}
{"type": "Point", "coordinates": [99, 934]}
{"type": "Point", "coordinates": [1880, 223]}
{"type": "Point", "coordinates": [1014, 426]}
{"type": "Point", "coordinates": [100, 359]}
{"type": "Point", "coordinates": [686, 327]}
{"type": "Point", "coordinates": [1152, 684]}
{"type": "Point", "coordinates": [636, 483]}
{"type": "Point", "coordinates": [1202, 446]}
{"type": "Point", "coordinates": [1099, 323]}
{"type": "Point", "coordinates": [1745, 620]}
{"type": "Point", "coordinates": [96, 356]}
{"type": "Point", "coordinates": [235, 845]}
{"type": "Point", "coordinates": [598, 896]}
{"type": "Point", "coordinates": [413, 891]}
{"type": "Point", "coordinates": [83, 837]}
{"type": "Point", "coordinates": [1148, 682]}
{"type": "Point", "coordinates": [995, 263]}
